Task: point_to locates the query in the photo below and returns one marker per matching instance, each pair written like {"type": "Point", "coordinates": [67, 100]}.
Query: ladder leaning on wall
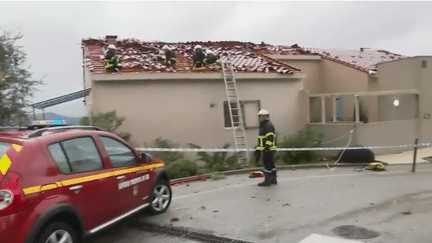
{"type": "Point", "coordinates": [235, 111]}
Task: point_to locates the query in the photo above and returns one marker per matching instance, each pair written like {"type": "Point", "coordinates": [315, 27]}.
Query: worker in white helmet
{"type": "Point", "coordinates": [199, 57]}
{"type": "Point", "coordinates": [266, 147]}
{"type": "Point", "coordinates": [111, 61]}
{"type": "Point", "coordinates": [210, 57]}
{"type": "Point", "coordinates": [166, 56]}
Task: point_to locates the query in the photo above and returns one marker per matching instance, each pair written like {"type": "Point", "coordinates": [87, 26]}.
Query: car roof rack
{"type": "Point", "coordinates": [39, 132]}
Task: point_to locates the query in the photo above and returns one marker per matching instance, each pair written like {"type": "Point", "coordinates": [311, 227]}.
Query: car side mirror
{"type": "Point", "coordinates": [145, 158]}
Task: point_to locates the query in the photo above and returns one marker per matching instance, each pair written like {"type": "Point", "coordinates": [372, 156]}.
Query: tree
{"type": "Point", "coordinates": [16, 84]}
{"type": "Point", "coordinates": [109, 121]}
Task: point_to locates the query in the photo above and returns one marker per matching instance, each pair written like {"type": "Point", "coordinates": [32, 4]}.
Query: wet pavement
{"type": "Point", "coordinates": [337, 203]}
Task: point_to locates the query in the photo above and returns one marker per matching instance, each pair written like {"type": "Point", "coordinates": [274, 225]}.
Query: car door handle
{"type": "Point", "coordinates": [75, 188]}
{"type": "Point", "coordinates": [121, 178]}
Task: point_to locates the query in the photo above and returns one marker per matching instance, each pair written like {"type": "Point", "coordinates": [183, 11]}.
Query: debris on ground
{"type": "Point", "coordinates": [406, 213]}
{"type": "Point", "coordinates": [216, 177]}
{"type": "Point", "coordinates": [174, 220]}
{"type": "Point", "coordinates": [376, 166]}
{"type": "Point", "coordinates": [255, 174]}
{"type": "Point", "coordinates": [286, 204]}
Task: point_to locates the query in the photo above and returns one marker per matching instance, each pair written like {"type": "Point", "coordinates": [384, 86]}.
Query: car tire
{"type": "Point", "coordinates": [160, 198]}
{"type": "Point", "coordinates": [56, 231]}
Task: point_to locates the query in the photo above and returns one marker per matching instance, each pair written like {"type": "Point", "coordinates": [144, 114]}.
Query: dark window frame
{"type": "Point", "coordinates": [227, 119]}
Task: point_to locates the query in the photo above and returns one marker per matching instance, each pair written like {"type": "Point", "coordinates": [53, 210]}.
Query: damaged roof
{"type": "Point", "coordinates": [364, 59]}
{"type": "Point", "coordinates": [139, 56]}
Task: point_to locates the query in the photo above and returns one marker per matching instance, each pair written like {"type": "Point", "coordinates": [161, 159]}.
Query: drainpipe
{"type": "Point", "coordinates": [323, 113]}
{"type": "Point", "coordinates": [357, 108]}
{"type": "Point", "coordinates": [334, 108]}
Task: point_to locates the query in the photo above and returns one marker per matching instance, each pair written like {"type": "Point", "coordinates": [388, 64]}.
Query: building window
{"type": "Point", "coordinates": [249, 110]}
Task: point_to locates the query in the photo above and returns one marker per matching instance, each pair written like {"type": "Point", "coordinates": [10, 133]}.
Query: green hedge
{"type": "Point", "coordinates": [307, 137]}
{"type": "Point", "coordinates": [182, 168]}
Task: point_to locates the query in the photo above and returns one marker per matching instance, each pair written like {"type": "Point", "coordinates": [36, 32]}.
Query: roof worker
{"type": "Point", "coordinates": [199, 57]}
{"type": "Point", "coordinates": [166, 56]}
{"type": "Point", "coordinates": [170, 55]}
{"type": "Point", "coordinates": [111, 61]}
{"type": "Point", "coordinates": [266, 147]}
{"type": "Point", "coordinates": [210, 57]}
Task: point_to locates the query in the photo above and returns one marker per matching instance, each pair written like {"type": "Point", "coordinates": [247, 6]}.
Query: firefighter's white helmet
{"type": "Point", "coordinates": [209, 52]}
{"type": "Point", "coordinates": [165, 48]}
{"type": "Point", "coordinates": [112, 47]}
{"type": "Point", "coordinates": [263, 113]}
{"type": "Point", "coordinates": [197, 47]}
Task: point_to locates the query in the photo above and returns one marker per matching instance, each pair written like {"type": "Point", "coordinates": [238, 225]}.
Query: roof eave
{"type": "Point", "coordinates": [191, 76]}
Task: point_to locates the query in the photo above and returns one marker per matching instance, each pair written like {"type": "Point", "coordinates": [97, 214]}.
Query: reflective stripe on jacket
{"type": "Point", "coordinates": [266, 137]}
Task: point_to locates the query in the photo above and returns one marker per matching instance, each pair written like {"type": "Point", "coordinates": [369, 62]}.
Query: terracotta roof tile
{"type": "Point", "coordinates": [138, 56]}
{"type": "Point", "coordinates": [364, 59]}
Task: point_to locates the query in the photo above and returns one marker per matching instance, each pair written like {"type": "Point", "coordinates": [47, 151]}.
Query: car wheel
{"type": "Point", "coordinates": [161, 197]}
{"type": "Point", "coordinates": [58, 232]}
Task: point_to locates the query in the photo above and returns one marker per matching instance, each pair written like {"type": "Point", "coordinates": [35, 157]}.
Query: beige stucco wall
{"type": "Point", "coordinates": [310, 65]}
{"type": "Point", "coordinates": [425, 100]}
{"type": "Point", "coordinates": [326, 76]}
{"type": "Point", "coordinates": [369, 134]}
{"type": "Point", "coordinates": [191, 111]}
{"type": "Point", "coordinates": [410, 74]}
{"type": "Point", "coordinates": [87, 83]}
{"type": "Point", "coordinates": [339, 78]}
{"type": "Point", "coordinates": [407, 109]}
{"type": "Point", "coordinates": [388, 134]}
{"type": "Point", "coordinates": [398, 75]}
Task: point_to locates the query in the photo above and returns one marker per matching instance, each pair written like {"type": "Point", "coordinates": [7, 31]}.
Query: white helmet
{"type": "Point", "coordinates": [197, 47]}
{"type": "Point", "coordinates": [209, 52]}
{"type": "Point", "coordinates": [263, 113]}
{"type": "Point", "coordinates": [165, 48]}
{"type": "Point", "coordinates": [111, 46]}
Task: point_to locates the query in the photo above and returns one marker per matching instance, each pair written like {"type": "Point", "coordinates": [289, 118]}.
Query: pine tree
{"type": "Point", "coordinates": [16, 85]}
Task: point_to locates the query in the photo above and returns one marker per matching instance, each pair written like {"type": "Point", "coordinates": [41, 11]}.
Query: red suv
{"type": "Point", "coordinates": [60, 184]}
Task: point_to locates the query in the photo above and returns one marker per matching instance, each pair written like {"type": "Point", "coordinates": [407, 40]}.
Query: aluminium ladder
{"type": "Point", "coordinates": [235, 111]}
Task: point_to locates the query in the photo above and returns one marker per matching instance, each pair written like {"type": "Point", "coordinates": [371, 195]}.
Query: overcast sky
{"type": "Point", "coordinates": [53, 30]}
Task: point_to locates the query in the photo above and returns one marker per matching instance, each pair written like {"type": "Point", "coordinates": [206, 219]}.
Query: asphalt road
{"type": "Point", "coordinates": [393, 206]}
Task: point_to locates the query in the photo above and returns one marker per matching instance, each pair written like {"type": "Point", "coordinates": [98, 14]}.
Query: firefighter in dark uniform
{"type": "Point", "coordinates": [166, 56]}
{"type": "Point", "coordinates": [111, 61]}
{"type": "Point", "coordinates": [266, 147]}
{"type": "Point", "coordinates": [199, 57]}
{"type": "Point", "coordinates": [211, 57]}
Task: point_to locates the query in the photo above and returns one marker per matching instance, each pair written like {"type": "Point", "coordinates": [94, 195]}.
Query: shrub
{"type": "Point", "coordinates": [308, 137]}
{"type": "Point", "coordinates": [167, 157]}
{"type": "Point", "coordinates": [218, 161]}
{"type": "Point", "coordinates": [182, 168]}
